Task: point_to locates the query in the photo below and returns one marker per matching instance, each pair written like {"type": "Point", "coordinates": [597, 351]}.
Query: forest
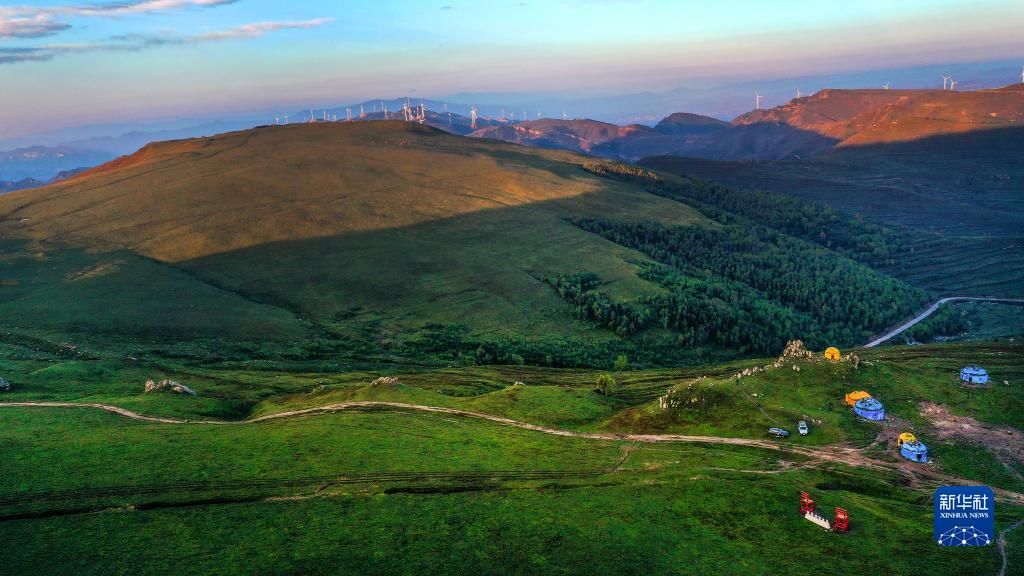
{"type": "Point", "coordinates": [747, 288]}
{"type": "Point", "coordinates": [872, 244]}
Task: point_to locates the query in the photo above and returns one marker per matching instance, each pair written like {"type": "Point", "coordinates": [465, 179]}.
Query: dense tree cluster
{"type": "Point", "coordinates": [588, 304]}
{"type": "Point", "coordinates": [745, 288]}
{"type": "Point", "coordinates": [947, 321]}
{"type": "Point", "coordinates": [852, 237]}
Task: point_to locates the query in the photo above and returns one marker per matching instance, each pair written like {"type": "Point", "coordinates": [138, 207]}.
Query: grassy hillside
{"type": "Point", "coordinates": [395, 242]}
{"type": "Point", "coordinates": [365, 231]}
{"type": "Point", "coordinates": [392, 490]}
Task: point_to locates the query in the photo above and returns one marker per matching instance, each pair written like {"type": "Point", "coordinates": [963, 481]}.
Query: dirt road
{"type": "Point", "coordinates": [826, 454]}
{"type": "Point", "coordinates": [931, 309]}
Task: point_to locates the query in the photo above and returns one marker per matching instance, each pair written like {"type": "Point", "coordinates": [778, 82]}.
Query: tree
{"type": "Point", "coordinates": [621, 363]}
{"type": "Point", "coordinates": [606, 384]}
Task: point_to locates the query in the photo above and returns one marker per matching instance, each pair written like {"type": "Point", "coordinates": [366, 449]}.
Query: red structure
{"type": "Point", "coordinates": [806, 504]}
{"type": "Point", "coordinates": [842, 523]}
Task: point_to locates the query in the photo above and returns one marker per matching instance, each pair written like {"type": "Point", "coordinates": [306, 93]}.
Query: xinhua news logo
{"type": "Point", "coordinates": [964, 516]}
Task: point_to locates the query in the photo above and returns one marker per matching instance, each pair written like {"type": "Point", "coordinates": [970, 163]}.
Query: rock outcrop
{"type": "Point", "coordinates": [168, 386]}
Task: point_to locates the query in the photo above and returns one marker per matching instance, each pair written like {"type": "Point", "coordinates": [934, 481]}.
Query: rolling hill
{"type": "Point", "coordinates": [351, 225]}
{"type": "Point", "coordinates": [396, 238]}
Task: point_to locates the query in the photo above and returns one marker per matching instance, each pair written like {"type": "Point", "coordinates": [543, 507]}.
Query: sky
{"type": "Point", "coordinates": [81, 63]}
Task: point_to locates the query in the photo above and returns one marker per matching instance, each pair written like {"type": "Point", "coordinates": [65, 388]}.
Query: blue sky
{"type": "Point", "coordinates": [65, 64]}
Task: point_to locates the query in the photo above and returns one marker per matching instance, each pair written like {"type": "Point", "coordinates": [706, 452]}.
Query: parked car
{"type": "Point", "coordinates": [779, 432]}
{"type": "Point", "coordinates": [802, 428]}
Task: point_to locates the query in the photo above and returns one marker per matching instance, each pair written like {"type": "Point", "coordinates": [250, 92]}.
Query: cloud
{"type": "Point", "coordinates": [138, 42]}
{"type": "Point", "coordinates": [35, 26]}
{"type": "Point", "coordinates": [134, 7]}
{"type": "Point", "coordinates": [37, 22]}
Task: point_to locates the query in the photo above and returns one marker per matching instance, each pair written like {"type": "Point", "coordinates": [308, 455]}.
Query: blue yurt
{"type": "Point", "coordinates": [869, 409]}
{"type": "Point", "coordinates": [914, 450]}
{"type": "Point", "coordinates": [974, 375]}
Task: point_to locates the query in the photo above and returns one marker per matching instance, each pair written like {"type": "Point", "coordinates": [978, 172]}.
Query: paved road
{"type": "Point", "coordinates": [931, 309]}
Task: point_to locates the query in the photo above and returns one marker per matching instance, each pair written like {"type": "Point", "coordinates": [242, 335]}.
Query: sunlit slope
{"type": "Point", "coordinates": [385, 224]}
{"type": "Point", "coordinates": [191, 198]}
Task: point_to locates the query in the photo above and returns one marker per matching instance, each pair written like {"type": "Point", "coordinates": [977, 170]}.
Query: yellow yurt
{"type": "Point", "coordinates": [832, 354]}
{"type": "Point", "coordinates": [853, 397]}
{"type": "Point", "coordinates": [906, 438]}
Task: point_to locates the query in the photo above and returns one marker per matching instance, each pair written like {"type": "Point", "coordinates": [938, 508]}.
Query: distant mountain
{"type": "Point", "coordinates": [802, 127]}
{"type": "Point", "coordinates": [686, 123]}
{"type": "Point", "coordinates": [859, 117]}
{"type": "Point", "coordinates": [129, 142]}
{"type": "Point", "coordinates": [575, 135]}
{"type": "Point", "coordinates": [44, 162]}
{"type": "Point", "coordinates": [24, 184]}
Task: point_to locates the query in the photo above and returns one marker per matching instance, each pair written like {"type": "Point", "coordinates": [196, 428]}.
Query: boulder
{"type": "Point", "coordinates": [168, 386]}
{"type": "Point", "coordinates": [385, 381]}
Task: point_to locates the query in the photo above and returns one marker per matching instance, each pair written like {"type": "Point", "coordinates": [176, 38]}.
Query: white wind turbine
{"type": "Point", "coordinates": [945, 81]}
{"type": "Point", "coordinates": [885, 86]}
{"type": "Point", "coordinates": [757, 101]}
{"type": "Point", "coordinates": [952, 84]}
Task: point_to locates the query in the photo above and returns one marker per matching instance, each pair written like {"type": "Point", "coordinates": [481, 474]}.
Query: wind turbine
{"type": "Point", "coordinates": [472, 117]}
{"type": "Point", "coordinates": [885, 86]}
{"type": "Point", "coordinates": [1022, 74]}
{"type": "Point", "coordinates": [286, 120]}
{"type": "Point", "coordinates": [799, 94]}
{"type": "Point", "coordinates": [952, 84]}
{"type": "Point", "coordinates": [945, 81]}
{"type": "Point", "coordinates": [565, 116]}
{"type": "Point", "coordinates": [757, 101]}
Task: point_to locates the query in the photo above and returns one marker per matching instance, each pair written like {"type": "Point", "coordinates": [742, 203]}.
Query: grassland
{"type": "Point", "coordinates": [394, 491]}
{"type": "Point", "coordinates": [391, 491]}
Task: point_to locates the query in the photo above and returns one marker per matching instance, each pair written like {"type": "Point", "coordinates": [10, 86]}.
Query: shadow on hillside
{"type": "Point", "coordinates": [483, 269]}
{"type": "Point", "coordinates": [965, 184]}
{"type": "Point", "coordinates": [761, 141]}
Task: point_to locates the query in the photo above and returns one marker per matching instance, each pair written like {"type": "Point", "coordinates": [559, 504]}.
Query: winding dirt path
{"type": "Point", "coordinates": [917, 474]}
{"type": "Point", "coordinates": [931, 309]}
{"type": "Point", "coordinates": [840, 454]}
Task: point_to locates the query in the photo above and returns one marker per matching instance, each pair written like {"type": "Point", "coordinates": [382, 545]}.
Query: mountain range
{"type": "Point", "coordinates": [806, 126]}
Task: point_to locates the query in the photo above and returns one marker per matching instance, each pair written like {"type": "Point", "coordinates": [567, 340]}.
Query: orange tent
{"type": "Point", "coordinates": [832, 354]}
{"type": "Point", "coordinates": [852, 397]}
